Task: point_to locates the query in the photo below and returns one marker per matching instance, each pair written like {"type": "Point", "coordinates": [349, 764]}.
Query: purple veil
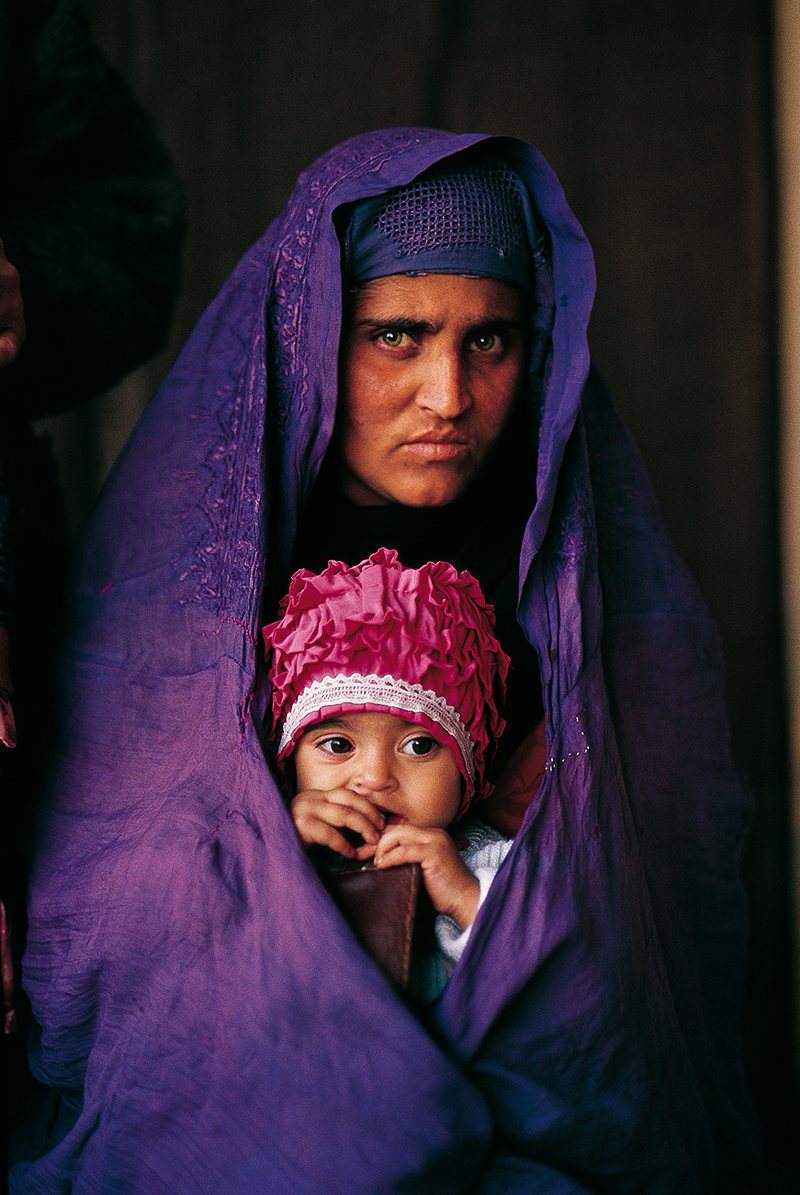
{"type": "Point", "coordinates": [206, 1022]}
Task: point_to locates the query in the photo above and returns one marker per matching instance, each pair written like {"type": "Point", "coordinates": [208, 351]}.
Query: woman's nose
{"type": "Point", "coordinates": [443, 389]}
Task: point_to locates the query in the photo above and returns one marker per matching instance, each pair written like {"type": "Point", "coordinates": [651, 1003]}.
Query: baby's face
{"type": "Point", "coordinates": [396, 764]}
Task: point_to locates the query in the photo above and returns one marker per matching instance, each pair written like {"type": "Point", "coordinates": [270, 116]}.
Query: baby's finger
{"type": "Point", "coordinates": [402, 833]}
{"type": "Point", "coordinates": [395, 853]}
{"type": "Point", "coordinates": [319, 833]}
{"type": "Point", "coordinates": [347, 818]}
{"type": "Point", "coordinates": [346, 797]}
{"type": "Point", "coordinates": [336, 809]}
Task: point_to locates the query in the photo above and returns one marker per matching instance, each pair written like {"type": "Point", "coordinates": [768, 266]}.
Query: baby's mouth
{"type": "Point", "coordinates": [392, 819]}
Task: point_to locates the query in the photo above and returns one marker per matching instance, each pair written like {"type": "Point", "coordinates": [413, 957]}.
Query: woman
{"type": "Point", "coordinates": [207, 1021]}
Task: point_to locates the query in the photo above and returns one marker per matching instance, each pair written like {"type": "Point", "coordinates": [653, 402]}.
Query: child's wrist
{"type": "Point", "coordinates": [463, 909]}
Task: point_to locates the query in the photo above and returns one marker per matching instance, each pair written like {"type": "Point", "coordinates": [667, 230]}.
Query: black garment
{"type": "Point", "coordinates": [473, 533]}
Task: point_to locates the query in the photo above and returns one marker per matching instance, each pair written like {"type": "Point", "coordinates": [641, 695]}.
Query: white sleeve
{"type": "Point", "coordinates": [483, 854]}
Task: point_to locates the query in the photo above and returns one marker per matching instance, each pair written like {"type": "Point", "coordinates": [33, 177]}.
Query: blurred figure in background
{"type": "Point", "coordinates": [91, 219]}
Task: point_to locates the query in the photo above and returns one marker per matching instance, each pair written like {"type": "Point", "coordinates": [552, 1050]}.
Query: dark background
{"type": "Point", "coordinates": [657, 117]}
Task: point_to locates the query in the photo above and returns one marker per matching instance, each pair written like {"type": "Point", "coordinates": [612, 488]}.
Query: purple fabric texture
{"type": "Point", "coordinates": [207, 1022]}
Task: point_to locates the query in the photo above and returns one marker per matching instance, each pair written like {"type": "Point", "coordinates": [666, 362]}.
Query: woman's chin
{"type": "Point", "coordinates": [430, 486]}
{"type": "Point", "coordinates": [430, 492]}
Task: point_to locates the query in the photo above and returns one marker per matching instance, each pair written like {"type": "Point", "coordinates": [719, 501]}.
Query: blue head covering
{"type": "Point", "coordinates": [472, 218]}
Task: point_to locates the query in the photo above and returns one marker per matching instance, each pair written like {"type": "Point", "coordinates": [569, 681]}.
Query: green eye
{"type": "Point", "coordinates": [486, 342]}
{"type": "Point", "coordinates": [392, 337]}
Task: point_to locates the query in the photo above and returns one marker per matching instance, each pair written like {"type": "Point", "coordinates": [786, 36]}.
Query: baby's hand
{"type": "Point", "coordinates": [450, 884]}
{"type": "Point", "coordinates": [321, 816]}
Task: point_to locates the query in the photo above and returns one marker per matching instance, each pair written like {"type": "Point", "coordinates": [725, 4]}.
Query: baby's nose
{"type": "Point", "coordinates": [374, 773]}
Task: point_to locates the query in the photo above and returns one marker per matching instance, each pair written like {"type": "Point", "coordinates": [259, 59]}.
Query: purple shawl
{"type": "Point", "coordinates": [207, 1023]}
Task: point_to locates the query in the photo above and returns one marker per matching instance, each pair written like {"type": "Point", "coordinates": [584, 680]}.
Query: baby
{"type": "Point", "coordinates": [387, 685]}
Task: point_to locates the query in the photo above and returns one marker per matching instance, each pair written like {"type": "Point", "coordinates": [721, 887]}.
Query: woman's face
{"type": "Point", "coordinates": [432, 366]}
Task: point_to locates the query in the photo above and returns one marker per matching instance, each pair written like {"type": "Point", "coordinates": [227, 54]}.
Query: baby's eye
{"type": "Point", "coordinates": [336, 744]}
{"type": "Point", "coordinates": [422, 744]}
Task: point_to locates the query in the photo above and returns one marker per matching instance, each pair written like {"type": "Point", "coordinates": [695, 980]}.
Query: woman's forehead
{"type": "Point", "coordinates": [418, 295]}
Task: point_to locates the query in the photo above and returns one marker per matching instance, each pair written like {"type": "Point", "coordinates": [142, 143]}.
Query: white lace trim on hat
{"type": "Point", "coordinates": [389, 691]}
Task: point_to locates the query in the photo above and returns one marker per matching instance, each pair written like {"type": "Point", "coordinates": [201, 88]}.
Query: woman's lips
{"type": "Point", "coordinates": [437, 450]}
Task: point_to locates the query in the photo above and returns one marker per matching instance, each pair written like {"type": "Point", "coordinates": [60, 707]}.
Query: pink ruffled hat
{"type": "Point", "coordinates": [379, 637]}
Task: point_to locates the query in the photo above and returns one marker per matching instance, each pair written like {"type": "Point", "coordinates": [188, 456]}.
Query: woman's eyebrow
{"type": "Point", "coordinates": [498, 323]}
{"type": "Point", "coordinates": [489, 323]}
{"type": "Point", "coordinates": [400, 323]}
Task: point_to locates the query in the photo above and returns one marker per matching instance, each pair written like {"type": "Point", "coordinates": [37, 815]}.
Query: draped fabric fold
{"type": "Point", "coordinates": [207, 1022]}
